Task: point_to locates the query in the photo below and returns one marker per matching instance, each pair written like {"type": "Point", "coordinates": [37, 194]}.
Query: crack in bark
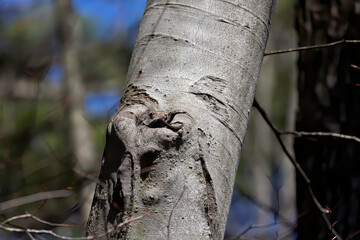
{"type": "Point", "coordinates": [196, 11]}
{"type": "Point", "coordinates": [210, 203]}
{"type": "Point", "coordinates": [172, 211]}
{"type": "Point", "coordinates": [230, 129]}
{"type": "Point", "coordinates": [251, 12]}
{"type": "Point", "coordinates": [147, 38]}
{"type": "Point", "coordinates": [213, 100]}
{"type": "Point", "coordinates": [207, 95]}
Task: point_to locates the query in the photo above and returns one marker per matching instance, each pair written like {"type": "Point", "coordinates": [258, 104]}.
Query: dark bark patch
{"type": "Point", "coordinates": [139, 74]}
{"type": "Point", "coordinates": [112, 202]}
{"type": "Point", "coordinates": [210, 206]}
{"type": "Point", "coordinates": [227, 21]}
{"type": "Point", "coordinates": [113, 154]}
{"type": "Point", "coordinates": [179, 142]}
{"type": "Point", "coordinates": [117, 205]}
{"type": "Point", "coordinates": [146, 39]}
{"type": "Point", "coordinates": [146, 163]}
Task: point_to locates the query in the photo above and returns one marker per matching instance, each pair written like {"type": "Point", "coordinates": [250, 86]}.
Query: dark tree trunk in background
{"type": "Point", "coordinates": [329, 97]}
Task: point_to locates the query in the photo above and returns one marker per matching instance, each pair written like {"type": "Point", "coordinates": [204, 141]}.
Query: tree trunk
{"type": "Point", "coordinates": [79, 130]}
{"type": "Point", "coordinates": [201, 57]}
{"type": "Point", "coordinates": [328, 98]}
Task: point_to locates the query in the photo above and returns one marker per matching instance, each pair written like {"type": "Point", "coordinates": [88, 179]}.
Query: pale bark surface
{"type": "Point", "coordinates": [202, 57]}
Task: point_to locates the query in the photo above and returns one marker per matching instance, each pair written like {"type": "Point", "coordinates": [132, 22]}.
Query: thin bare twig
{"type": "Point", "coordinates": [52, 233]}
{"type": "Point", "coordinates": [321, 134]}
{"type": "Point", "coordinates": [257, 226]}
{"type": "Point", "coordinates": [298, 168]}
{"type": "Point", "coordinates": [53, 224]}
{"type": "Point", "coordinates": [30, 235]}
{"type": "Point", "coordinates": [34, 198]}
{"type": "Point", "coordinates": [311, 47]}
{"type": "Point", "coordinates": [264, 207]}
{"type": "Point", "coordinates": [28, 215]}
{"type": "Point", "coordinates": [354, 234]}
{"type": "Point", "coordinates": [275, 211]}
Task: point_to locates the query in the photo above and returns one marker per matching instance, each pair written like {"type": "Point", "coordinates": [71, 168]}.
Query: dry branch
{"type": "Point", "coordinates": [34, 198]}
{"type": "Point", "coordinates": [311, 47]}
{"type": "Point", "coordinates": [298, 168]}
{"type": "Point", "coordinates": [29, 232]}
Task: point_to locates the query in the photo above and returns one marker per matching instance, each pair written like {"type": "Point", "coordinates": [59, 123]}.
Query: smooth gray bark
{"type": "Point", "coordinates": [202, 57]}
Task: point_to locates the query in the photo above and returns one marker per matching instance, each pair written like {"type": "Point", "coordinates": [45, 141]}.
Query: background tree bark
{"type": "Point", "coordinates": [202, 57]}
{"type": "Point", "coordinates": [328, 98]}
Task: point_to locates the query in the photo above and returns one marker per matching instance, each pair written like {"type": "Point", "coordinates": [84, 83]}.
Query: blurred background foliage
{"type": "Point", "coordinates": [36, 150]}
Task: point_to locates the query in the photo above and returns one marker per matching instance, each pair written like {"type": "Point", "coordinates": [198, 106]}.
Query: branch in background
{"type": "Point", "coordinates": [34, 198]}
{"type": "Point", "coordinates": [320, 134]}
{"type": "Point", "coordinates": [275, 223]}
{"type": "Point", "coordinates": [28, 215]}
{"type": "Point", "coordinates": [44, 196]}
{"type": "Point", "coordinates": [275, 211]}
{"type": "Point", "coordinates": [30, 236]}
{"type": "Point", "coordinates": [29, 232]}
{"type": "Point", "coordinates": [298, 168]}
{"type": "Point", "coordinates": [311, 47]}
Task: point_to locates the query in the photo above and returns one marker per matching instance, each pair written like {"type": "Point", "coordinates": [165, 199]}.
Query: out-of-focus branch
{"type": "Point", "coordinates": [28, 215]}
{"type": "Point", "coordinates": [50, 223]}
{"type": "Point", "coordinates": [320, 134]}
{"type": "Point", "coordinates": [34, 198]}
{"type": "Point", "coordinates": [269, 225]}
{"type": "Point", "coordinates": [298, 168]}
{"type": "Point", "coordinates": [29, 232]}
{"type": "Point", "coordinates": [278, 219]}
{"type": "Point", "coordinates": [311, 47]}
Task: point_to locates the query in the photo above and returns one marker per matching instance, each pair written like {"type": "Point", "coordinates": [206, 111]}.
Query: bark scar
{"type": "Point", "coordinates": [210, 209]}
{"type": "Point", "coordinates": [210, 203]}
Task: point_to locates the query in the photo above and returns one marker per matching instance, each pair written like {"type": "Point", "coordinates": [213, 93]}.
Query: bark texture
{"type": "Point", "coordinates": [202, 57]}
{"type": "Point", "coordinates": [328, 98]}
